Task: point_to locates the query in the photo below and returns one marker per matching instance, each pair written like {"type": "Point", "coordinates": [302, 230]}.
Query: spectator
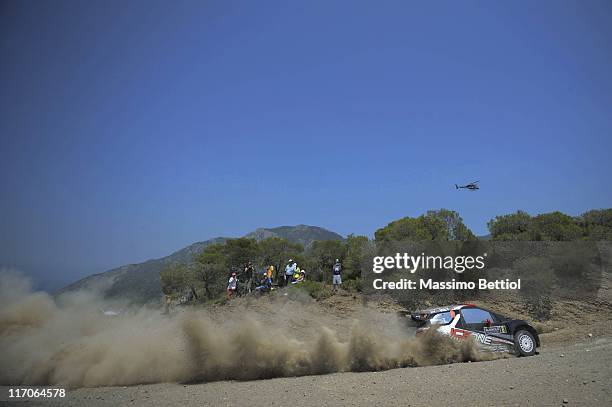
{"type": "Point", "coordinates": [231, 286]}
{"type": "Point", "coordinates": [337, 279]}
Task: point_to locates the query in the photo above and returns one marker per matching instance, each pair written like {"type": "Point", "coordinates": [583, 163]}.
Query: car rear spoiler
{"type": "Point", "coordinates": [420, 316]}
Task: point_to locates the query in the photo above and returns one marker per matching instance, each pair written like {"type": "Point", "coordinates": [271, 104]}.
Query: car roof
{"type": "Point", "coordinates": [436, 310]}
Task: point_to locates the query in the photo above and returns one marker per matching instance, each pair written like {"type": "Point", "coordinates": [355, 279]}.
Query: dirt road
{"type": "Point", "coordinates": [582, 376]}
{"type": "Point", "coordinates": [574, 366]}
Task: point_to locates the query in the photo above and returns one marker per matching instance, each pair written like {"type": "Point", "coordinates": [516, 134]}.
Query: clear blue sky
{"type": "Point", "coordinates": [131, 129]}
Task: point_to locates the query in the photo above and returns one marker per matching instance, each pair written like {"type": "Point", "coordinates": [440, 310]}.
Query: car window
{"type": "Point", "coordinates": [476, 316]}
{"type": "Point", "coordinates": [498, 317]}
{"type": "Point", "coordinates": [440, 319]}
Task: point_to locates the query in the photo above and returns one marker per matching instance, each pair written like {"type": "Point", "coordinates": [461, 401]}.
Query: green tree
{"type": "Point", "coordinates": [520, 226]}
{"type": "Point", "coordinates": [455, 228]}
{"type": "Point", "coordinates": [555, 226]}
{"type": "Point", "coordinates": [353, 258]}
{"type": "Point", "coordinates": [596, 224]}
{"type": "Point", "coordinates": [515, 226]}
{"type": "Point", "coordinates": [411, 229]}
{"type": "Point", "coordinates": [175, 279]}
{"type": "Point", "coordinates": [240, 251]}
{"type": "Point", "coordinates": [211, 267]}
{"type": "Point", "coordinates": [276, 252]}
{"type": "Point", "coordinates": [441, 224]}
{"type": "Point", "coordinates": [324, 254]}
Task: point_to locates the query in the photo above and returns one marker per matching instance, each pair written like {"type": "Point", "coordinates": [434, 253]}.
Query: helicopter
{"type": "Point", "coordinates": [472, 186]}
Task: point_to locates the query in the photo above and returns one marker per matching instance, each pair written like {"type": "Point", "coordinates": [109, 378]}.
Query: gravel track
{"type": "Point", "coordinates": [582, 376]}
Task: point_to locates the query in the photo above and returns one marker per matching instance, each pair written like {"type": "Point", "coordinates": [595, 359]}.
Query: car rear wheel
{"type": "Point", "coordinates": [524, 343]}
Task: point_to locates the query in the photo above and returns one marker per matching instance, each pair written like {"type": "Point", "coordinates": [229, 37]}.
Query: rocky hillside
{"type": "Point", "coordinates": [302, 234]}
{"type": "Point", "coordinates": [139, 283]}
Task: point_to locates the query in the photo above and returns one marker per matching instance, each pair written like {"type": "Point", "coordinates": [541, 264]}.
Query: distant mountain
{"type": "Point", "coordinates": [302, 234]}
{"type": "Point", "coordinates": [139, 283]}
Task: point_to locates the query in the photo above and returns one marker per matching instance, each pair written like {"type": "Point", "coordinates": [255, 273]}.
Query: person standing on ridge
{"type": "Point", "coordinates": [270, 272]}
{"type": "Point", "coordinates": [249, 272]}
{"type": "Point", "coordinates": [289, 270]}
{"type": "Point", "coordinates": [231, 285]}
{"type": "Point", "coordinates": [337, 270]}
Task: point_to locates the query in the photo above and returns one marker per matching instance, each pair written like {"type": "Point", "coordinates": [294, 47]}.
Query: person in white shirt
{"type": "Point", "coordinates": [231, 286]}
{"type": "Point", "coordinates": [289, 270]}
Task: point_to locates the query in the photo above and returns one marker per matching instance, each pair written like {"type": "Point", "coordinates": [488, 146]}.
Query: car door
{"type": "Point", "coordinates": [474, 319]}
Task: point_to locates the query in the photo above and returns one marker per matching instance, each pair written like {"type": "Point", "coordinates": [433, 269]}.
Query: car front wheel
{"type": "Point", "coordinates": [524, 343]}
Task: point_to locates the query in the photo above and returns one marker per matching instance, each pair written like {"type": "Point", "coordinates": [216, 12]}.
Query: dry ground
{"type": "Point", "coordinates": [574, 367]}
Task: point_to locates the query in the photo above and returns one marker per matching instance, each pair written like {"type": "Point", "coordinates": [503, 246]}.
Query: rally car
{"type": "Point", "coordinates": [492, 331]}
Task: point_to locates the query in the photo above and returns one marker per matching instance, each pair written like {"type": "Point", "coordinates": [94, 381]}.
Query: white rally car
{"type": "Point", "coordinates": [492, 331]}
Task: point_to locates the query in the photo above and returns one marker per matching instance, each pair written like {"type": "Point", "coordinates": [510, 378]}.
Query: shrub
{"type": "Point", "coordinates": [316, 289]}
{"type": "Point", "coordinates": [352, 285]}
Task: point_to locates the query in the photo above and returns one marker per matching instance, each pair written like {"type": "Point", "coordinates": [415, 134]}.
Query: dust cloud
{"type": "Point", "coordinates": [71, 341]}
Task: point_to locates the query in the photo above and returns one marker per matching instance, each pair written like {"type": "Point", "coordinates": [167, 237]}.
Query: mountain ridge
{"type": "Point", "coordinates": [139, 282]}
